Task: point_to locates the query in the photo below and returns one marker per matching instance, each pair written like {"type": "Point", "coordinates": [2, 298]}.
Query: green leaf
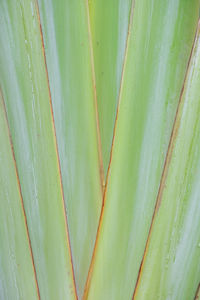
{"type": "Point", "coordinates": [25, 88]}
{"type": "Point", "coordinates": [66, 31]}
{"type": "Point", "coordinates": [171, 267]}
{"type": "Point", "coordinates": [17, 278]}
{"type": "Point", "coordinates": [158, 49]}
{"type": "Point", "coordinates": [109, 25]}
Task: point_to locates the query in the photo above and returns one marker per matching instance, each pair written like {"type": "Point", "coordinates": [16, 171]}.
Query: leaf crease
{"type": "Point", "coordinates": [172, 140]}
{"type": "Point", "coordinates": [57, 153]}
{"type": "Point", "coordinates": [86, 289]}
{"type": "Point", "coordinates": [20, 193]}
{"type": "Point", "coordinates": [95, 99]}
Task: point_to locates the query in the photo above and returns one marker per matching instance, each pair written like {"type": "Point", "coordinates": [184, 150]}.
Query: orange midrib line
{"type": "Point", "coordinates": [20, 194]}
{"type": "Point", "coordinates": [170, 149]}
{"type": "Point", "coordinates": [87, 284]}
{"type": "Point", "coordinates": [197, 294]}
{"type": "Point", "coordinates": [57, 153]}
{"type": "Point", "coordinates": [95, 100]}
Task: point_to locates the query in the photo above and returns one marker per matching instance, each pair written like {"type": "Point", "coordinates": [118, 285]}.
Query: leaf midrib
{"type": "Point", "coordinates": [87, 284]}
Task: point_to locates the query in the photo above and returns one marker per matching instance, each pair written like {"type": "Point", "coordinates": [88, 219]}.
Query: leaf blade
{"type": "Point", "coordinates": [180, 252]}
{"type": "Point", "coordinates": [31, 125]}
{"type": "Point", "coordinates": [152, 83]}
{"type": "Point", "coordinates": [69, 63]}
{"type": "Point", "coordinates": [17, 271]}
{"type": "Point", "coordinates": [109, 25]}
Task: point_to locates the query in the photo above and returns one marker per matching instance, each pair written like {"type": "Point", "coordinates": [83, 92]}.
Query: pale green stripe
{"type": "Point", "coordinates": [24, 84]}
{"type": "Point", "coordinates": [17, 280]}
{"type": "Point", "coordinates": [172, 265]}
{"type": "Point", "coordinates": [160, 43]}
{"type": "Point", "coordinates": [66, 37]}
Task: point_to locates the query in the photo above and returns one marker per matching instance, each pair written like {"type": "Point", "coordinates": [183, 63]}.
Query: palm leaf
{"type": "Point", "coordinates": [174, 242]}
{"type": "Point", "coordinates": [17, 270]}
{"type": "Point", "coordinates": [158, 49]}
{"type": "Point", "coordinates": [99, 149]}
{"type": "Point", "coordinates": [31, 125]}
{"type": "Point", "coordinates": [109, 25]}
{"type": "Point", "coordinates": [69, 64]}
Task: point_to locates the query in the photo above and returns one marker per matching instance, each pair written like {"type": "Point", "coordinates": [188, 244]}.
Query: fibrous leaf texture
{"type": "Point", "coordinates": [99, 149]}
